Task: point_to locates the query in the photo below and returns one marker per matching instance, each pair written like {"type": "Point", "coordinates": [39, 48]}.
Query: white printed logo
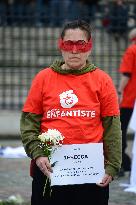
{"type": "Point", "coordinates": [68, 99]}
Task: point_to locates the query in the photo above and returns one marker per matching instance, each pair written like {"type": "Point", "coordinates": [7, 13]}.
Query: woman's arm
{"type": "Point", "coordinates": [112, 140]}
{"type": "Point", "coordinates": [30, 129]}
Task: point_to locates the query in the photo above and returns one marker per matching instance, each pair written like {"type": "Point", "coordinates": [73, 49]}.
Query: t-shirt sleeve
{"type": "Point", "coordinates": [127, 62]}
{"type": "Point", "coordinates": [109, 103]}
{"type": "Point", "coordinates": [33, 102]}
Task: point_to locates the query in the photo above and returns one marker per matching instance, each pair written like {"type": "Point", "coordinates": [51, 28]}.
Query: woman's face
{"type": "Point", "coordinates": [75, 59]}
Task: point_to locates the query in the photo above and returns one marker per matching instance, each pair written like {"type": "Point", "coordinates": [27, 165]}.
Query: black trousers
{"type": "Point", "coordinates": [125, 115]}
{"type": "Point", "coordinates": [67, 195]}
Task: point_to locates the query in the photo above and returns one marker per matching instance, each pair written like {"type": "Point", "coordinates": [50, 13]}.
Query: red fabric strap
{"type": "Point", "coordinates": [79, 46]}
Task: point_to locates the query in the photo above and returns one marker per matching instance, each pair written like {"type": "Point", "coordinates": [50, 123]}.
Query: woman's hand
{"type": "Point", "coordinates": [105, 181]}
{"type": "Point", "coordinates": [44, 165]}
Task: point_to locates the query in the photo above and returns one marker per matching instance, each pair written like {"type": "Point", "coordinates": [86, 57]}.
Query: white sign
{"type": "Point", "coordinates": [78, 164]}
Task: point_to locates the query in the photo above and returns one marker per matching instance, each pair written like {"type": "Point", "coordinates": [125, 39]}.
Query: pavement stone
{"type": "Point", "coordinates": [15, 179]}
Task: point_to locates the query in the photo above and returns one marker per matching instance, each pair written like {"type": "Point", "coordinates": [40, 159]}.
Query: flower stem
{"type": "Point", "coordinates": [45, 186]}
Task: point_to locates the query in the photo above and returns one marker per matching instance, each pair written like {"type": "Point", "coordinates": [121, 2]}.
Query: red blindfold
{"type": "Point", "coordinates": [79, 46]}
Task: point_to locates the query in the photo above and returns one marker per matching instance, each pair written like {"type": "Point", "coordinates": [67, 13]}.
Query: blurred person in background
{"type": "Point", "coordinates": [3, 10]}
{"type": "Point", "coordinates": [84, 87]}
{"type": "Point", "coordinates": [115, 19]}
{"type": "Point", "coordinates": [127, 95]}
{"type": "Point", "coordinates": [59, 11]}
{"type": "Point", "coordinates": [88, 9]}
{"type": "Point", "coordinates": [16, 12]}
{"type": "Point", "coordinates": [20, 12]}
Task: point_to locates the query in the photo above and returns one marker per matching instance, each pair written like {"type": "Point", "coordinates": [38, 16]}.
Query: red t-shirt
{"type": "Point", "coordinates": [128, 65]}
{"type": "Point", "coordinates": [73, 104]}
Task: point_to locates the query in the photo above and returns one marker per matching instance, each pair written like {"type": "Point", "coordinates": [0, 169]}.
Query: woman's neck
{"type": "Point", "coordinates": [66, 67]}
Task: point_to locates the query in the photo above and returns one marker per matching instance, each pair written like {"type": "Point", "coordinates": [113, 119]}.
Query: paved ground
{"type": "Point", "coordinates": [15, 180]}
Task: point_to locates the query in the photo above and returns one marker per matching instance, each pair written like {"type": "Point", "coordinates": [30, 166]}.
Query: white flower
{"type": "Point", "coordinates": [42, 137]}
{"type": "Point", "coordinates": [51, 138]}
{"type": "Point", "coordinates": [54, 136]}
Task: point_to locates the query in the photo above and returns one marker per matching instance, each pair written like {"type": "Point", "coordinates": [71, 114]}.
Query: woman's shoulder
{"type": "Point", "coordinates": [44, 72]}
{"type": "Point", "coordinates": [101, 74]}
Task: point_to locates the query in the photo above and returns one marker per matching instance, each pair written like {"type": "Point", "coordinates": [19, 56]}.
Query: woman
{"type": "Point", "coordinates": [127, 95]}
{"type": "Point", "coordinates": [70, 85]}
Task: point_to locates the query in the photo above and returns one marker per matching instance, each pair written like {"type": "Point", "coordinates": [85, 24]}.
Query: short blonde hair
{"type": "Point", "coordinates": [132, 34]}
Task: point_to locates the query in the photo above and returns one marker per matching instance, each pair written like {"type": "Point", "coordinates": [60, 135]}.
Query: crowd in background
{"type": "Point", "coordinates": [45, 12]}
{"type": "Point", "coordinates": [56, 12]}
